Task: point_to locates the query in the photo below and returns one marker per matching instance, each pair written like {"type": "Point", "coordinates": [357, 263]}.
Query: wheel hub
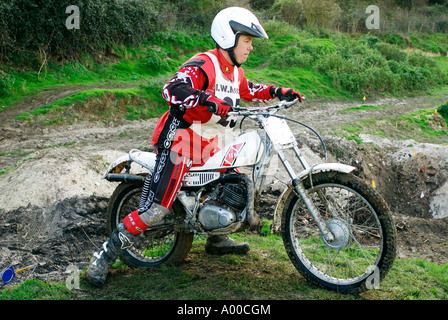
{"type": "Point", "coordinates": [341, 234]}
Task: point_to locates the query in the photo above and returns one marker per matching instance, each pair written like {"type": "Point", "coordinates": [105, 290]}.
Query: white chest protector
{"type": "Point", "coordinates": [226, 90]}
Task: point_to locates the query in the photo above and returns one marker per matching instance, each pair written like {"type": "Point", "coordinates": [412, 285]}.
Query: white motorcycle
{"type": "Point", "coordinates": [336, 229]}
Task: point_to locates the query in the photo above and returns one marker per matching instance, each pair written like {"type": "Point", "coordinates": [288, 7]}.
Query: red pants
{"type": "Point", "coordinates": [166, 180]}
{"type": "Point", "coordinates": [159, 190]}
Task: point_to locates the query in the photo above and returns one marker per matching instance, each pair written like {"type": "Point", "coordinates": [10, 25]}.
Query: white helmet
{"type": "Point", "coordinates": [230, 23]}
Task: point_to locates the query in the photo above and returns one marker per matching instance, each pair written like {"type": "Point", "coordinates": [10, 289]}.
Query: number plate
{"type": "Point", "coordinates": [279, 131]}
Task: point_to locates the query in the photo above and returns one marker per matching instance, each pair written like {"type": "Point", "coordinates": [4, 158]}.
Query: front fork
{"type": "Point", "coordinates": [300, 191]}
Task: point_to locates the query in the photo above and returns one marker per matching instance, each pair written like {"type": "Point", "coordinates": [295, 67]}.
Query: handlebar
{"type": "Point", "coordinates": [252, 110]}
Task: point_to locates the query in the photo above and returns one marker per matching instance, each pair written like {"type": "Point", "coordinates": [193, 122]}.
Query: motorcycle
{"type": "Point", "coordinates": [337, 230]}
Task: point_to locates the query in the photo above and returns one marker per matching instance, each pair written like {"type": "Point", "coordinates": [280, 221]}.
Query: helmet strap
{"type": "Point", "coordinates": [233, 57]}
{"type": "Point", "coordinates": [232, 53]}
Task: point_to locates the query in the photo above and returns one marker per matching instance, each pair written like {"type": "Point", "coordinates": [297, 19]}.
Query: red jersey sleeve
{"type": "Point", "coordinates": [184, 90]}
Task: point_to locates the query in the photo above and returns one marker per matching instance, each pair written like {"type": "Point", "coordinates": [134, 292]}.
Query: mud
{"type": "Point", "coordinates": [53, 197]}
{"type": "Point", "coordinates": [54, 237]}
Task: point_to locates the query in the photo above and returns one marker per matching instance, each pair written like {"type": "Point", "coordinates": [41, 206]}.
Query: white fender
{"type": "Point", "coordinates": [143, 158]}
{"type": "Point", "coordinates": [323, 167]}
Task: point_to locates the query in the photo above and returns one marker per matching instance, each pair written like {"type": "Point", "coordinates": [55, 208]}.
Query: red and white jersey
{"type": "Point", "coordinates": [225, 89]}
{"type": "Point", "coordinates": [188, 127]}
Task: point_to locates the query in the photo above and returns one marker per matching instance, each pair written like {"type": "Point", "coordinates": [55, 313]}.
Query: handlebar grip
{"type": "Point", "coordinates": [212, 109]}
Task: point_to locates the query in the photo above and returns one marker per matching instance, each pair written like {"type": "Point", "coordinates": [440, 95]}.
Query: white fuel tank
{"type": "Point", "coordinates": [246, 150]}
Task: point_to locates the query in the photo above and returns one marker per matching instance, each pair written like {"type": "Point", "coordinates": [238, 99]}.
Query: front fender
{"type": "Point", "coordinates": [145, 159]}
{"type": "Point", "coordinates": [324, 167]}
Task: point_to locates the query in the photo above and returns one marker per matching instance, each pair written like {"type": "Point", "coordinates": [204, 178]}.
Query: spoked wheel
{"type": "Point", "coordinates": [156, 246]}
{"type": "Point", "coordinates": [364, 244]}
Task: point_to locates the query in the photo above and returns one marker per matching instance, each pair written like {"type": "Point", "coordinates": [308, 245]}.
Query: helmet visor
{"type": "Point", "coordinates": [254, 30]}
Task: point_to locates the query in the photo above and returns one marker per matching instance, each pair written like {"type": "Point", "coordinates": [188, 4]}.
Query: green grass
{"type": "Point", "coordinates": [414, 125]}
{"type": "Point", "coordinates": [313, 62]}
{"type": "Point", "coordinates": [307, 82]}
{"type": "Point", "coordinates": [79, 97]}
{"type": "Point", "coordinates": [100, 105]}
{"type": "Point", "coordinates": [265, 273]}
{"type": "Point", "coordinates": [37, 290]}
{"type": "Point", "coordinates": [442, 62]}
{"type": "Point", "coordinates": [28, 83]}
{"type": "Point", "coordinates": [151, 59]}
{"type": "Point", "coordinates": [414, 280]}
{"type": "Point", "coordinates": [366, 108]}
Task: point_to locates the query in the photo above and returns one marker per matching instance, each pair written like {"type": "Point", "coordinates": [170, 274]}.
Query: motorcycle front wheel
{"type": "Point", "coordinates": [160, 245]}
{"type": "Point", "coordinates": [364, 244]}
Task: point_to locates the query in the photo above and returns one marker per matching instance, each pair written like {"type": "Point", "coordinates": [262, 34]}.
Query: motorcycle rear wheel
{"type": "Point", "coordinates": [155, 246]}
{"type": "Point", "coordinates": [364, 247]}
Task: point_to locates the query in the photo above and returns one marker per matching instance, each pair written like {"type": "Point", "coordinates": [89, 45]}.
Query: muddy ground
{"type": "Point", "coordinates": [53, 197]}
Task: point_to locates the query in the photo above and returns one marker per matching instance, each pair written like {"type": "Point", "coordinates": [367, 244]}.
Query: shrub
{"type": "Point", "coordinates": [291, 57]}
{"type": "Point", "coordinates": [356, 67]}
{"type": "Point", "coordinates": [390, 52]}
{"type": "Point", "coordinates": [368, 65]}
{"type": "Point", "coordinates": [156, 60]}
{"type": "Point", "coordinates": [443, 111]}
{"type": "Point", "coordinates": [30, 27]}
{"type": "Point", "coordinates": [6, 83]}
{"type": "Point", "coordinates": [290, 11]}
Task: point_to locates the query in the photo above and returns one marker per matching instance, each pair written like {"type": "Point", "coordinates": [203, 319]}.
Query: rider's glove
{"type": "Point", "coordinates": [287, 94]}
{"type": "Point", "coordinates": [218, 106]}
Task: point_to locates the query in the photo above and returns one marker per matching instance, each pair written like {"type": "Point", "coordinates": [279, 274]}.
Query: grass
{"type": "Point", "coordinates": [417, 126]}
{"type": "Point", "coordinates": [306, 81]}
{"type": "Point", "coordinates": [288, 59]}
{"type": "Point", "coordinates": [100, 105]}
{"type": "Point", "coordinates": [367, 108]}
{"type": "Point", "coordinates": [265, 273]}
{"type": "Point", "coordinates": [79, 97]}
{"type": "Point", "coordinates": [128, 64]}
{"type": "Point", "coordinates": [414, 280]}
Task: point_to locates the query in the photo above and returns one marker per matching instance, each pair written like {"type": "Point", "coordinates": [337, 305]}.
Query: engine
{"type": "Point", "coordinates": [222, 208]}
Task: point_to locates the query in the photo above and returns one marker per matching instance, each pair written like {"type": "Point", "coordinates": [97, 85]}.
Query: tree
{"type": "Point", "coordinates": [321, 13]}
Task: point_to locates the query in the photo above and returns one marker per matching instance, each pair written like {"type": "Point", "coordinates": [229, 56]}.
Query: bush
{"type": "Point", "coordinates": [390, 52]}
{"type": "Point", "coordinates": [38, 28]}
{"type": "Point", "coordinates": [356, 67]}
{"type": "Point", "coordinates": [290, 11]}
{"type": "Point", "coordinates": [6, 83]}
{"type": "Point", "coordinates": [156, 60]}
{"type": "Point", "coordinates": [290, 58]}
{"type": "Point", "coordinates": [443, 111]}
{"type": "Point", "coordinates": [369, 65]}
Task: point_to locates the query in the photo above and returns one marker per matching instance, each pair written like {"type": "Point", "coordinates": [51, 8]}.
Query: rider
{"type": "Point", "coordinates": [186, 134]}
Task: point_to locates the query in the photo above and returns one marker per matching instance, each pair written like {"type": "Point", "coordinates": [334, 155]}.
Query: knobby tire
{"type": "Point", "coordinates": [152, 248]}
{"type": "Point", "coordinates": [356, 208]}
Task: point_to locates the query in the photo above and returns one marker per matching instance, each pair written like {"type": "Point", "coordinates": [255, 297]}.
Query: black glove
{"type": "Point", "coordinates": [287, 94]}
{"type": "Point", "coordinates": [217, 106]}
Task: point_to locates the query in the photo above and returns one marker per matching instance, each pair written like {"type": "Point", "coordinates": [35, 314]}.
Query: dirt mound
{"type": "Point", "coordinates": [53, 238]}
{"type": "Point", "coordinates": [55, 174]}
{"type": "Point", "coordinates": [422, 238]}
{"type": "Point", "coordinates": [411, 176]}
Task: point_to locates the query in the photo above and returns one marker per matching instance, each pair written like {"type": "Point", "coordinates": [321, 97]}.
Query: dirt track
{"type": "Point", "coordinates": [53, 197]}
